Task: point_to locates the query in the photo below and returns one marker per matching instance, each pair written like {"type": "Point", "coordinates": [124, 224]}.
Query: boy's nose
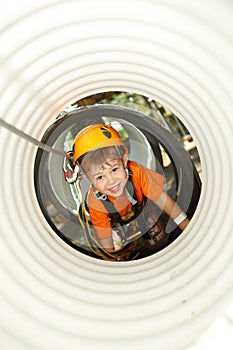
{"type": "Point", "coordinates": [110, 179]}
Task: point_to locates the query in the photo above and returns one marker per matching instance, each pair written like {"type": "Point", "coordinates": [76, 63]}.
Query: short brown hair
{"type": "Point", "coordinates": [101, 156]}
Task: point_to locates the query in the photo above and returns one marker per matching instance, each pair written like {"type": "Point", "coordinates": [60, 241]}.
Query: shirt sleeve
{"type": "Point", "coordinates": [150, 182]}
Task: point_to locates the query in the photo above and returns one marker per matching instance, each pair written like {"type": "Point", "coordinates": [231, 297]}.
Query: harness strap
{"type": "Point", "coordinates": [110, 208]}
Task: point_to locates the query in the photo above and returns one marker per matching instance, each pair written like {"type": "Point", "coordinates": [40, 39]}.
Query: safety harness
{"type": "Point", "coordinates": [74, 179]}
{"type": "Point", "coordinates": [130, 227]}
{"type": "Point", "coordinates": [126, 226]}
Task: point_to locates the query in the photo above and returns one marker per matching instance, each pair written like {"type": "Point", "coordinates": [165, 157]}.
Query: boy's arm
{"type": "Point", "coordinates": [107, 243]}
{"type": "Point", "coordinates": [171, 208]}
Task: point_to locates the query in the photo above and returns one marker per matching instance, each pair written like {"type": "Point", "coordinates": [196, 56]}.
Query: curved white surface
{"type": "Point", "coordinates": [55, 52]}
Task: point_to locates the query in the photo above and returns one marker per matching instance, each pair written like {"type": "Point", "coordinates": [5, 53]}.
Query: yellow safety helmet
{"type": "Point", "coordinates": [93, 137]}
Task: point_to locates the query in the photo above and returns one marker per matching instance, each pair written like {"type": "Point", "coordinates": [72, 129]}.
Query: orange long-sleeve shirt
{"type": "Point", "coordinates": [146, 183]}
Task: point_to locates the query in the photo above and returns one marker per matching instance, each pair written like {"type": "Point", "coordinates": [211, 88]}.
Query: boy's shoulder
{"type": "Point", "coordinates": [93, 201]}
{"type": "Point", "coordinates": [140, 171]}
{"type": "Point", "coordinates": [136, 167]}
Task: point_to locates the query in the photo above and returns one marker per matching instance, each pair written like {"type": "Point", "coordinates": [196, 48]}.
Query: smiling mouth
{"type": "Point", "coordinates": [114, 189]}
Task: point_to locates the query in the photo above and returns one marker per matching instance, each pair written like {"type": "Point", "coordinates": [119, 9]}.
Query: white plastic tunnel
{"type": "Point", "coordinates": [53, 53]}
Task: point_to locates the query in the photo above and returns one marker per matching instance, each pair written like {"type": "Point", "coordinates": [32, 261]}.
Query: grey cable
{"type": "Point", "coordinates": [30, 139]}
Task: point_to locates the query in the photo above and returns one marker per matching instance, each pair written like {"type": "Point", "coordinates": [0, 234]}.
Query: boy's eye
{"type": "Point", "coordinates": [114, 169]}
{"type": "Point", "coordinates": [99, 178]}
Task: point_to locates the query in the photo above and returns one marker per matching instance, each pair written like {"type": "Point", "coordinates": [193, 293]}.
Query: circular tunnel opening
{"type": "Point", "coordinates": [161, 144]}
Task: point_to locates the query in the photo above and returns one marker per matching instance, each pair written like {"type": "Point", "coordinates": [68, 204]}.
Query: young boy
{"type": "Point", "coordinates": [121, 190]}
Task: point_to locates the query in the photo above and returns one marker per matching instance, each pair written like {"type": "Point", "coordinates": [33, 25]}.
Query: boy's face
{"type": "Point", "coordinates": [110, 179]}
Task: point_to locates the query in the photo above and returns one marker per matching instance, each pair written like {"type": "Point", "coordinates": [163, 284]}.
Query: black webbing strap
{"type": "Point", "coordinates": [114, 218]}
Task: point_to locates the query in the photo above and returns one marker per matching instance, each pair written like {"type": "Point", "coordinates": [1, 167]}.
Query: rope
{"type": "Point", "coordinates": [31, 139]}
